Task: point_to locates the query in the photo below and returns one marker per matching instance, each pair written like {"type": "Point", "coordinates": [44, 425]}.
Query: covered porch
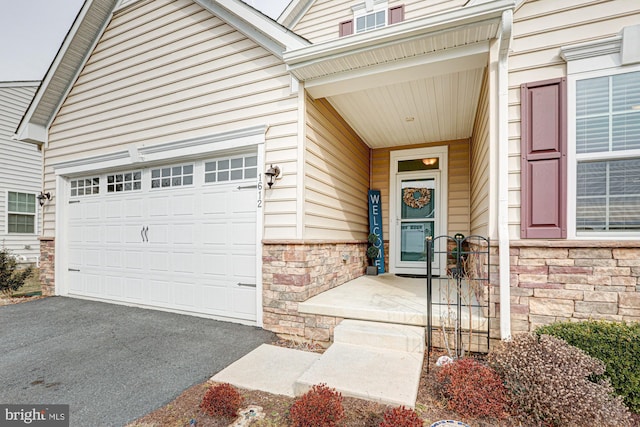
{"type": "Point", "coordinates": [392, 299]}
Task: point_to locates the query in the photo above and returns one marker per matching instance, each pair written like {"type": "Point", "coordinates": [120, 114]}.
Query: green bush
{"type": "Point", "coordinates": [548, 381]}
{"type": "Point", "coordinates": [11, 277]}
{"type": "Point", "coordinates": [615, 344]}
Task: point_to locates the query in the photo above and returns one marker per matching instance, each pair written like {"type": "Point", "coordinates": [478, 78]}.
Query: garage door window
{"type": "Point", "coordinates": [85, 186]}
{"type": "Point", "coordinates": [231, 169]}
{"type": "Point", "coordinates": [126, 181]}
{"type": "Point", "coordinates": [172, 176]}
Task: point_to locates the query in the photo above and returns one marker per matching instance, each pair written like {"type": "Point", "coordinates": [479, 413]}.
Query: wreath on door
{"type": "Point", "coordinates": [416, 198]}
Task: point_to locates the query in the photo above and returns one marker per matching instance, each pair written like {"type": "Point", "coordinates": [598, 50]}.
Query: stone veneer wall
{"type": "Point", "coordinates": [573, 280]}
{"type": "Point", "coordinates": [294, 272]}
{"type": "Point", "coordinates": [47, 263]}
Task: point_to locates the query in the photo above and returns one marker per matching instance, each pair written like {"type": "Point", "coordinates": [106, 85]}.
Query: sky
{"type": "Point", "coordinates": [31, 32]}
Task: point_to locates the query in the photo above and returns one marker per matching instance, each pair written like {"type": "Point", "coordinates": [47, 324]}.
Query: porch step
{"type": "Point", "coordinates": [370, 360]}
{"type": "Point", "coordinates": [380, 335]}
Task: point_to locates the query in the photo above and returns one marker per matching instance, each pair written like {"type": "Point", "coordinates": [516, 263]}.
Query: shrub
{"type": "Point", "coordinates": [473, 389]}
{"type": "Point", "coordinates": [401, 417]}
{"type": "Point", "coordinates": [11, 279]}
{"type": "Point", "coordinates": [615, 344]}
{"type": "Point", "coordinates": [221, 400]}
{"type": "Point", "coordinates": [549, 382]}
{"type": "Point", "coordinates": [320, 406]}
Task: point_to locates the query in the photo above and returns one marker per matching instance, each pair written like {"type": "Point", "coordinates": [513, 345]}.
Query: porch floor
{"type": "Point", "coordinates": [392, 299]}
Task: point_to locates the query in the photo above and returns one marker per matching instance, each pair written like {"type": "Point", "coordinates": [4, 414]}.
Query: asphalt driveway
{"type": "Point", "coordinates": [110, 363]}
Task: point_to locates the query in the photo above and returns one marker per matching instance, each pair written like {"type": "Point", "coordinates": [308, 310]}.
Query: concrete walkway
{"type": "Point", "coordinates": [368, 360]}
{"type": "Point", "coordinates": [110, 363]}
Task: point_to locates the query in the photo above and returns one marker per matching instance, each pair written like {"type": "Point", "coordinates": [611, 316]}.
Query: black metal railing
{"type": "Point", "coordinates": [458, 286]}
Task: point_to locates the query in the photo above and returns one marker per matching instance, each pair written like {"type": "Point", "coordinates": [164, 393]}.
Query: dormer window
{"type": "Point", "coordinates": [371, 21]}
{"type": "Point", "coordinates": [370, 15]}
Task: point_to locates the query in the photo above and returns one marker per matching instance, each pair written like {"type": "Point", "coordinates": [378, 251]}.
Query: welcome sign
{"type": "Point", "coordinates": [375, 226]}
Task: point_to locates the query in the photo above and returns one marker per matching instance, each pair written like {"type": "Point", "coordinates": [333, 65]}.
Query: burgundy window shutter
{"type": "Point", "coordinates": [543, 213]}
{"type": "Point", "coordinates": [346, 28]}
{"type": "Point", "coordinates": [396, 14]}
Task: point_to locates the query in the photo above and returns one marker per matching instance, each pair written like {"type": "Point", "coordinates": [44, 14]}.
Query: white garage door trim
{"type": "Point", "coordinates": [200, 148]}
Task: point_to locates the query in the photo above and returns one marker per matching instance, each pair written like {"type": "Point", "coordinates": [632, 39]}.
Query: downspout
{"type": "Point", "coordinates": [503, 174]}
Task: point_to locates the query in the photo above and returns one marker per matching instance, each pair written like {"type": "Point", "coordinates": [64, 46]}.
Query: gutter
{"type": "Point", "coordinates": [503, 173]}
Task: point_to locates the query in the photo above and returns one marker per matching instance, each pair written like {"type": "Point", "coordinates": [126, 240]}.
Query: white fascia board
{"type": "Point", "coordinates": [155, 154]}
{"type": "Point", "coordinates": [453, 60]}
{"type": "Point", "coordinates": [396, 32]}
{"type": "Point", "coordinates": [294, 12]}
{"type": "Point", "coordinates": [34, 134]}
{"type": "Point", "coordinates": [258, 27]}
{"type": "Point", "coordinates": [57, 61]}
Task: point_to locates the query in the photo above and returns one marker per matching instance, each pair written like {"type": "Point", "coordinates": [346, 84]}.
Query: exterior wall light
{"type": "Point", "coordinates": [272, 173]}
{"type": "Point", "coordinates": [43, 197]}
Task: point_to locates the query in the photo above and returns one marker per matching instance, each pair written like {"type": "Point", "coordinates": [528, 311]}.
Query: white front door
{"type": "Point", "coordinates": [417, 208]}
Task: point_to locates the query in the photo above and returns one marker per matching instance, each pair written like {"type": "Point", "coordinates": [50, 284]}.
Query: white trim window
{"type": "Point", "coordinates": [21, 213]}
{"type": "Point", "coordinates": [85, 186]}
{"type": "Point", "coordinates": [607, 147]}
{"type": "Point", "coordinates": [369, 15]}
{"type": "Point", "coordinates": [603, 130]}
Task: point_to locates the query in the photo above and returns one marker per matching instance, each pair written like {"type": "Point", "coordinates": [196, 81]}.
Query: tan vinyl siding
{"type": "Point", "coordinates": [479, 202]}
{"type": "Point", "coordinates": [541, 28]}
{"type": "Point", "coordinates": [458, 191]}
{"type": "Point", "coordinates": [20, 166]}
{"type": "Point", "coordinates": [320, 23]}
{"type": "Point", "coordinates": [336, 177]}
{"type": "Point", "coordinates": [167, 71]}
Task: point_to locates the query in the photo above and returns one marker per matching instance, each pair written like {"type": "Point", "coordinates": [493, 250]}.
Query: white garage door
{"type": "Point", "coordinates": [179, 237]}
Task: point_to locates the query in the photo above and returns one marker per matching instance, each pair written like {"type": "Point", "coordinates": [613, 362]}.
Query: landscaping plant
{"type": "Point", "coordinates": [615, 344]}
{"type": "Point", "coordinates": [401, 417]}
{"type": "Point", "coordinates": [473, 389]}
{"type": "Point", "coordinates": [320, 406]}
{"type": "Point", "coordinates": [548, 381]}
{"type": "Point", "coordinates": [221, 400]}
{"type": "Point", "coordinates": [11, 277]}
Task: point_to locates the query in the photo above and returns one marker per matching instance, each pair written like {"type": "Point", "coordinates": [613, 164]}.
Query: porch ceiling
{"type": "Point", "coordinates": [409, 83]}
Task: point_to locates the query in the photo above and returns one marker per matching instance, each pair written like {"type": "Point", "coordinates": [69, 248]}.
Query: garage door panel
{"type": "Point", "coordinates": [157, 233]}
{"type": "Point", "coordinates": [92, 209]}
{"type": "Point", "coordinates": [113, 259]}
{"type": "Point", "coordinates": [92, 258]}
{"type": "Point", "coordinates": [216, 297]}
{"type": "Point", "coordinates": [113, 286]}
{"type": "Point", "coordinates": [214, 264]}
{"type": "Point", "coordinates": [184, 248]}
{"type": "Point", "coordinates": [113, 209]}
{"type": "Point", "coordinates": [244, 301]}
{"type": "Point", "coordinates": [184, 263]}
{"type": "Point", "coordinates": [159, 261]}
{"type": "Point", "coordinates": [113, 234]}
{"type": "Point", "coordinates": [243, 202]}
{"type": "Point", "coordinates": [183, 205]}
{"type": "Point", "coordinates": [214, 203]}
{"type": "Point", "coordinates": [244, 266]}
{"type": "Point", "coordinates": [158, 291]}
{"type": "Point", "coordinates": [244, 234]}
{"type": "Point", "coordinates": [92, 284]}
{"type": "Point", "coordinates": [215, 233]}
{"type": "Point", "coordinates": [186, 295]}
{"type": "Point", "coordinates": [183, 234]}
{"type": "Point", "coordinates": [134, 260]}
{"type": "Point", "coordinates": [134, 289]}
{"type": "Point", "coordinates": [133, 208]}
{"type": "Point", "coordinates": [158, 206]}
